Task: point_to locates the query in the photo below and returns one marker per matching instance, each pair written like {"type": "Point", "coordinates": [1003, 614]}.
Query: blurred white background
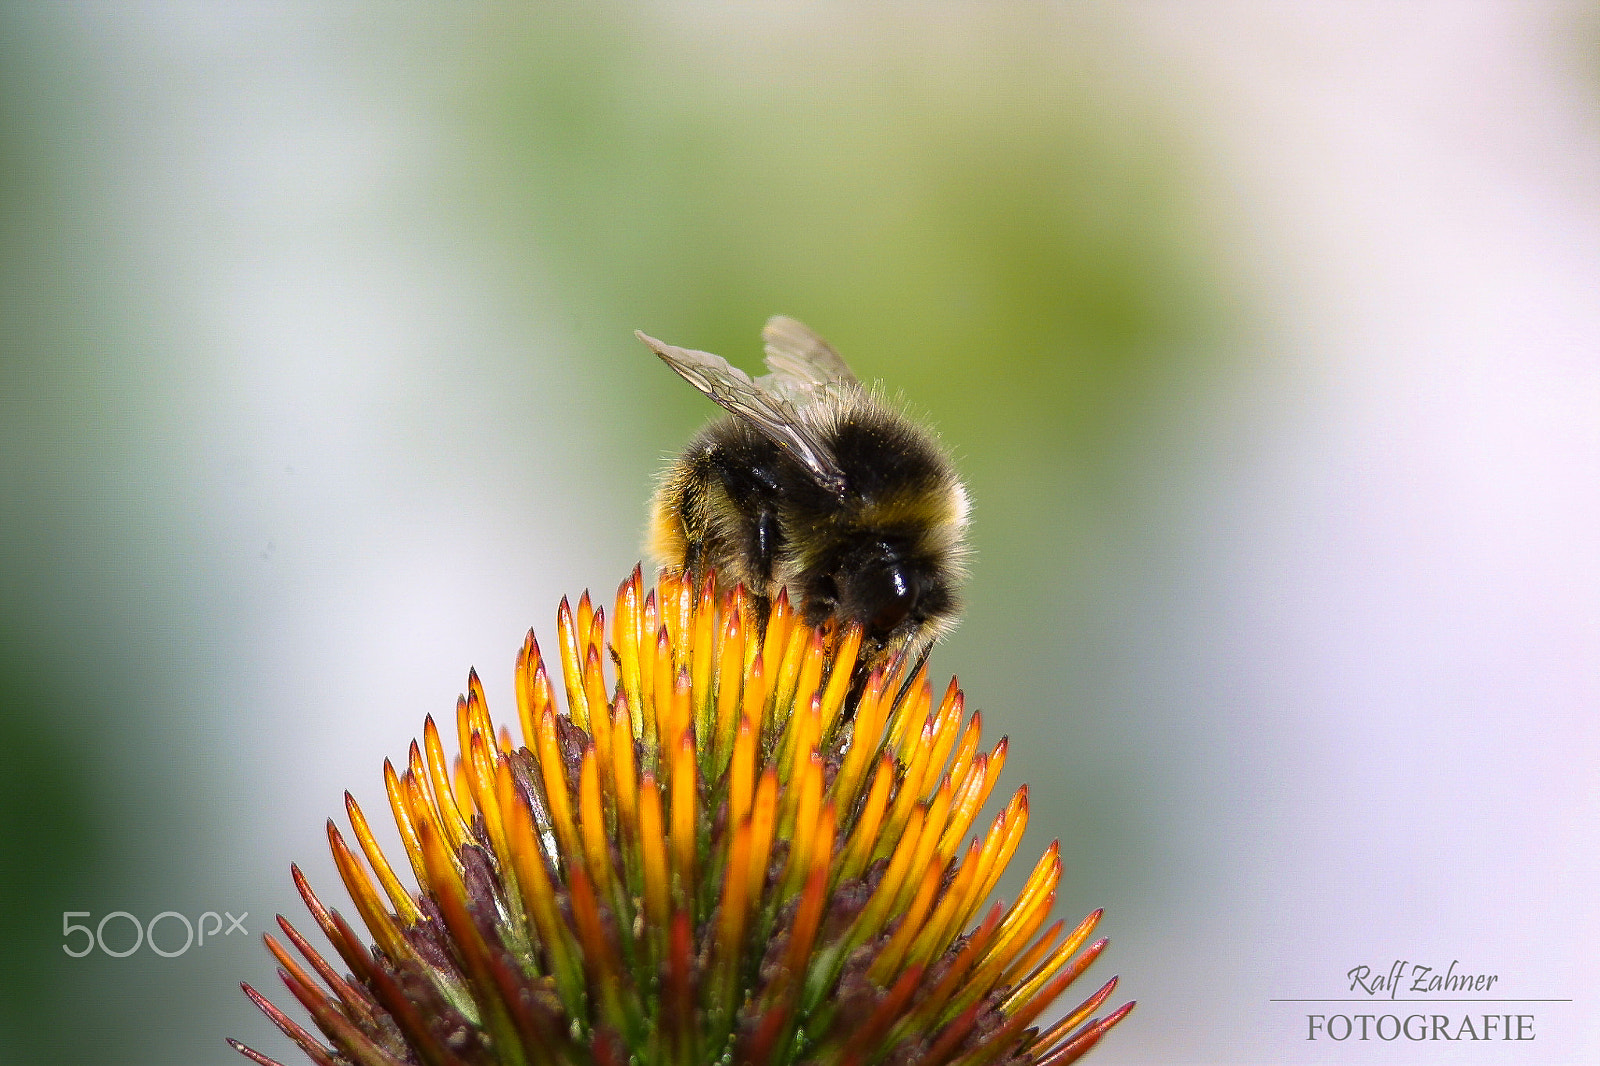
{"type": "Point", "coordinates": [1268, 336]}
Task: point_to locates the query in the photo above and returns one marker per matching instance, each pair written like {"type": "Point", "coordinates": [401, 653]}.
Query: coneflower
{"type": "Point", "coordinates": [728, 852]}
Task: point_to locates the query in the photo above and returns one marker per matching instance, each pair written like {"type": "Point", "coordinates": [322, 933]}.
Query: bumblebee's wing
{"type": "Point", "coordinates": [774, 415]}
{"type": "Point", "coordinates": [801, 363]}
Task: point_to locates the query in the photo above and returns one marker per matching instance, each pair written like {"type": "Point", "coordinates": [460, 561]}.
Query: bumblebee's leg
{"type": "Point", "coordinates": [764, 540]}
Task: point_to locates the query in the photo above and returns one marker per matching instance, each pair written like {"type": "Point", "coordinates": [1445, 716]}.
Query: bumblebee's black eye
{"type": "Point", "coordinates": [890, 593]}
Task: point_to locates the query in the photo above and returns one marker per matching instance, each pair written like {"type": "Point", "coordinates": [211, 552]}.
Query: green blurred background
{"type": "Point", "coordinates": [1245, 325]}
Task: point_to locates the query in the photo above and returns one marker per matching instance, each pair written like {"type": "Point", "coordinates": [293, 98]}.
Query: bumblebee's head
{"type": "Point", "coordinates": [893, 589]}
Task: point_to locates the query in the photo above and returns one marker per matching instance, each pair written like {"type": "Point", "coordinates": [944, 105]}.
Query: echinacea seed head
{"type": "Point", "coordinates": [715, 849]}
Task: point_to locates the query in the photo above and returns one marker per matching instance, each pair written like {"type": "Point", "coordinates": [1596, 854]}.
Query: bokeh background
{"type": "Point", "coordinates": [1268, 337]}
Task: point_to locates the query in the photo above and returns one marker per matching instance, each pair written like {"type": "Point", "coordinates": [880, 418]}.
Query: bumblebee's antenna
{"type": "Point", "coordinates": [912, 674]}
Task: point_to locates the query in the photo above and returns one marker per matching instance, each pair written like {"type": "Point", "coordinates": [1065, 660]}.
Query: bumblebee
{"type": "Point", "coordinates": [815, 484]}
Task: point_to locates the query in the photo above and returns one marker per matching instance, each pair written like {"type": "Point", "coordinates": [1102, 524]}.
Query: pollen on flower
{"type": "Point", "coordinates": [722, 846]}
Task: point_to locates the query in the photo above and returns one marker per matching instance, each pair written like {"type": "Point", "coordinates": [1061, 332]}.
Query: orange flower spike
{"type": "Point", "coordinates": [787, 676]}
{"type": "Point", "coordinates": [480, 779]}
{"type": "Point", "coordinates": [1046, 874]}
{"type": "Point", "coordinates": [653, 842]}
{"type": "Point", "coordinates": [808, 915]}
{"type": "Point", "coordinates": [462, 787]}
{"type": "Point", "coordinates": [742, 772]}
{"type": "Point", "coordinates": [732, 913]}
{"type": "Point", "coordinates": [1011, 1031]}
{"type": "Point", "coordinates": [865, 741]}
{"type": "Point", "coordinates": [1075, 940]}
{"type": "Point", "coordinates": [480, 705]}
{"type": "Point", "coordinates": [909, 714]}
{"type": "Point", "coordinates": [627, 638]}
{"type": "Point", "coordinates": [594, 686]}
{"type": "Point", "coordinates": [1038, 893]}
{"type": "Point", "coordinates": [646, 711]}
{"type": "Point", "coordinates": [804, 826]}
{"type": "Point", "coordinates": [763, 819]}
{"type": "Point", "coordinates": [1035, 896]}
{"type": "Point", "coordinates": [680, 988]}
{"type": "Point", "coordinates": [685, 599]}
{"type": "Point", "coordinates": [809, 683]}
{"type": "Point", "coordinates": [625, 773]}
{"type": "Point", "coordinates": [1016, 816]}
{"type": "Point", "coordinates": [874, 704]}
{"type": "Point", "coordinates": [682, 711]}
{"type": "Point", "coordinates": [677, 610]}
{"type": "Point", "coordinates": [703, 658]}
{"type": "Point", "coordinates": [779, 619]}
{"type": "Point", "coordinates": [665, 676]}
{"type": "Point", "coordinates": [345, 1034]}
{"type": "Point", "coordinates": [403, 904]}
{"type": "Point", "coordinates": [940, 929]}
{"type": "Point", "coordinates": [938, 811]}
{"type": "Point", "coordinates": [909, 791]}
{"type": "Point", "coordinates": [1014, 942]}
{"type": "Point", "coordinates": [992, 860]}
{"type": "Point", "coordinates": [1062, 1029]}
{"type": "Point", "coordinates": [351, 947]}
{"type": "Point", "coordinates": [313, 1049]}
{"type": "Point", "coordinates": [967, 747]}
{"type": "Point", "coordinates": [544, 693]}
{"type": "Point", "coordinates": [1075, 1048]}
{"type": "Point", "coordinates": [596, 640]}
{"type": "Point", "coordinates": [1039, 998]}
{"type": "Point", "coordinates": [667, 581]}
{"type": "Point", "coordinates": [755, 691]}
{"type": "Point", "coordinates": [354, 1002]}
{"type": "Point", "coordinates": [800, 746]}
{"type": "Point", "coordinates": [1041, 976]}
{"type": "Point", "coordinates": [538, 895]}
{"type": "Point", "coordinates": [424, 816]}
{"type": "Point", "coordinates": [946, 727]}
{"type": "Point", "coordinates": [879, 906]}
{"type": "Point", "coordinates": [453, 824]}
{"type": "Point", "coordinates": [997, 960]}
{"type": "Point", "coordinates": [887, 964]}
{"type": "Point", "coordinates": [729, 688]}
{"type": "Point", "coordinates": [865, 835]}
{"type": "Point", "coordinates": [583, 624]}
{"type": "Point", "coordinates": [402, 820]}
{"type": "Point", "coordinates": [683, 819]}
{"type": "Point", "coordinates": [522, 682]}
{"type": "Point", "coordinates": [464, 723]}
{"type": "Point", "coordinates": [556, 792]}
{"type": "Point", "coordinates": [954, 978]}
{"type": "Point", "coordinates": [540, 696]}
{"type": "Point", "coordinates": [600, 961]}
{"type": "Point", "coordinates": [844, 664]}
{"type": "Point", "coordinates": [372, 911]}
{"type": "Point", "coordinates": [800, 697]}
{"type": "Point", "coordinates": [571, 664]}
{"type": "Point", "coordinates": [419, 769]}
{"type": "Point", "coordinates": [964, 807]}
{"type": "Point", "coordinates": [592, 825]}
{"type": "Point", "coordinates": [451, 896]}
{"type": "Point", "coordinates": [997, 762]}
{"type": "Point", "coordinates": [1038, 948]}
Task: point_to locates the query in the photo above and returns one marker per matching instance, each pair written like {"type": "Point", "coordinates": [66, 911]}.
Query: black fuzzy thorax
{"type": "Point", "coordinates": [753, 511]}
